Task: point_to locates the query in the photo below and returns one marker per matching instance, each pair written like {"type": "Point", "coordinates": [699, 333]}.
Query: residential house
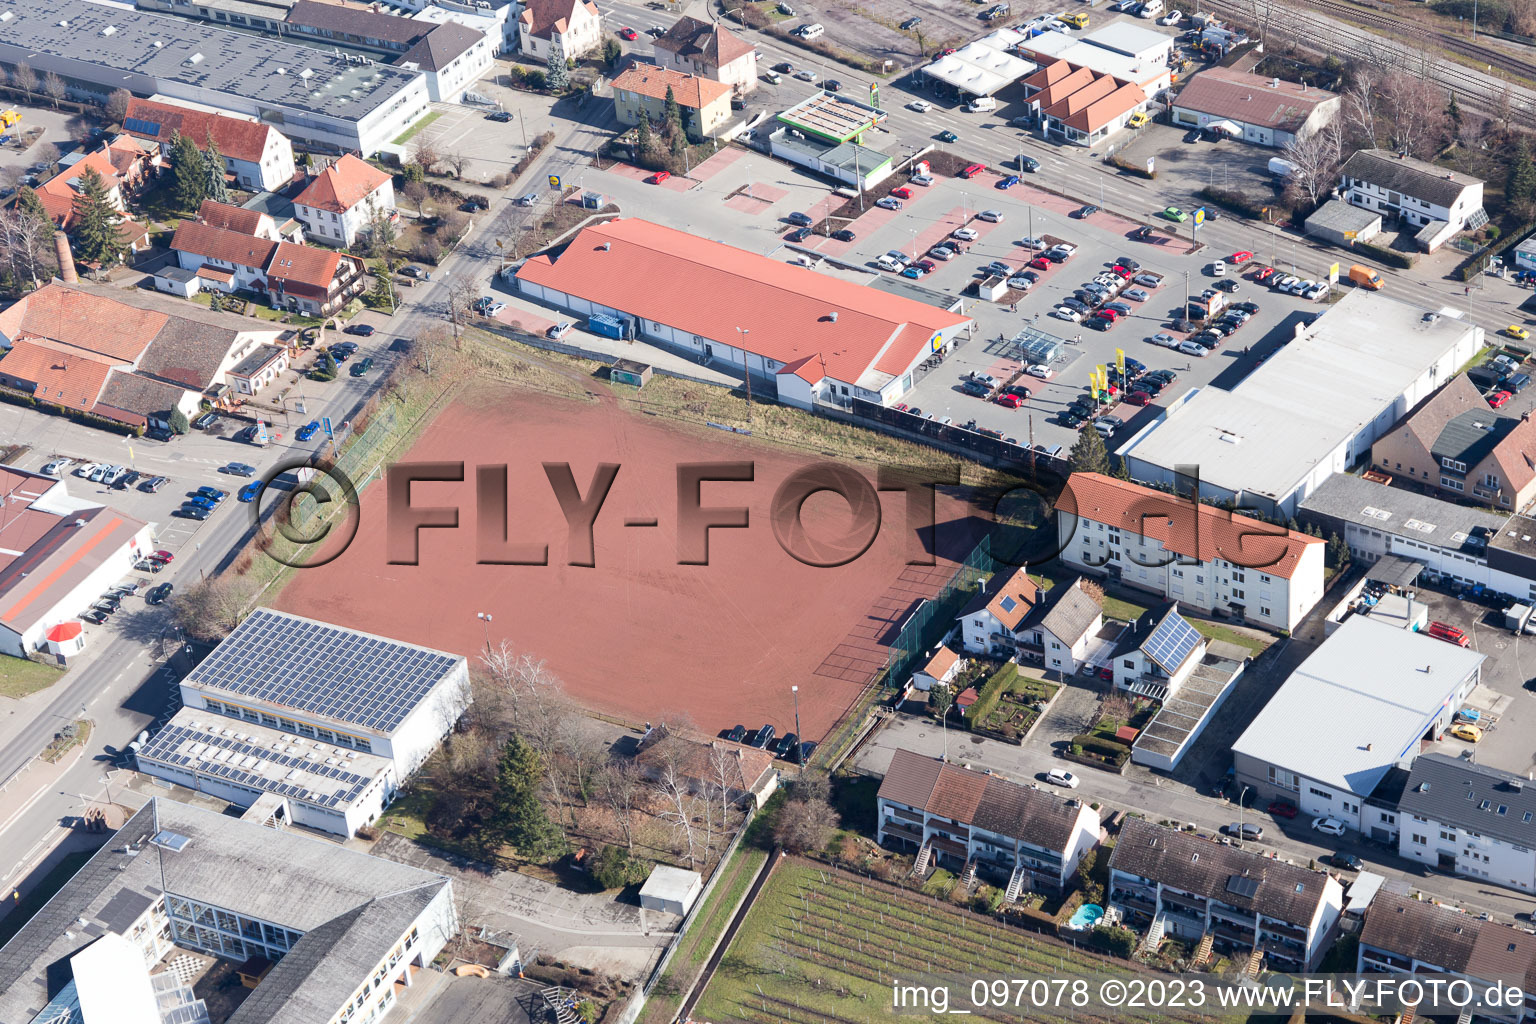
{"type": "Point", "coordinates": [1403, 935]}
{"type": "Point", "coordinates": [1255, 108]}
{"type": "Point", "coordinates": [1456, 447]}
{"type": "Point", "coordinates": [576, 23]}
{"type": "Point", "coordinates": [991, 622]}
{"type": "Point", "coordinates": [710, 50]}
{"type": "Point", "coordinates": [942, 667]}
{"type": "Point", "coordinates": [1423, 195]}
{"type": "Point", "coordinates": [1018, 836]}
{"type": "Point", "coordinates": [126, 167]}
{"type": "Point", "coordinates": [1179, 884]}
{"type": "Point", "coordinates": [340, 202]}
{"type": "Point", "coordinates": [256, 155]}
{"type": "Point", "coordinates": [1059, 630]}
{"type": "Point", "coordinates": [1158, 653]}
{"type": "Point", "coordinates": [1204, 557]}
{"type": "Point", "coordinates": [747, 774]}
{"type": "Point", "coordinates": [225, 260]}
{"type": "Point", "coordinates": [239, 218]}
{"type": "Point", "coordinates": [315, 282]}
{"type": "Point", "coordinates": [1470, 819]}
{"type": "Point", "coordinates": [132, 356]}
{"type": "Point", "coordinates": [641, 91]}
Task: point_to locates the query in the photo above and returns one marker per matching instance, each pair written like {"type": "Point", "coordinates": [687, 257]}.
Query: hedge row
{"type": "Point", "coordinates": [77, 415]}
{"type": "Point", "coordinates": [989, 697]}
{"type": "Point", "coordinates": [1100, 745]}
{"type": "Point", "coordinates": [1478, 262]}
{"type": "Point", "coordinates": [1234, 201]}
{"type": "Point", "coordinates": [1391, 257]}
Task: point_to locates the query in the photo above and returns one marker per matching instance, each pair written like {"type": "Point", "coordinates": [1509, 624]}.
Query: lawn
{"type": "Point", "coordinates": [707, 926]}
{"type": "Point", "coordinates": [410, 132]}
{"type": "Point", "coordinates": [821, 945]}
{"type": "Point", "coordinates": [21, 676]}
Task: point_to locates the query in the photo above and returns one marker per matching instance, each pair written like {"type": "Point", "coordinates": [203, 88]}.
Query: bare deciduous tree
{"type": "Point", "coordinates": [426, 155]}
{"type": "Point", "coordinates": [1414, 107]}
{"type": "Point", "coordinates": [1358, 109]}
{"type": "Point", "coordinates": [429, 342]}
{"type": "Point", "coordinates": [115, 107]}
{"type": "Point", "coordinates": [461, 302]}
{"type": "Point", "coordinates": [1316, 160]}
{"type": "Point", "coordinates": [416, 192]}
{"type": "Point", "coordinates": [54, 88]}
{"type": "Point", "coordinates": [48, 154]}
{"type": "Point", "coordinates": [622, 790]}
{"type": "Point", "coordinates": [25, 79]}
{"type": "Point", "coordinates": [669, 777]}
{"type": "Point", "coordinates": [22, 245]}
{"type": "Point", "coordinates": [725, 775]}
{"type": "Point", "coordinates": [457, 160]}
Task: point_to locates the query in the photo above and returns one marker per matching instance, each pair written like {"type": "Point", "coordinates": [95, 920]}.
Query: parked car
{"type": "Point", "coordinates": [1061, 777]}
{"type": "Point", "coordinates": [57, 467]}
{"type": "Point", "coordinates": [249, 491]}
{"type": "Point", "coordinates": [845, 235]}
{"type": "Point", "coordinates": [917, 179]}
{"type": "Point", "coordinates": [504, 116]}
{"type": "Point", "coordinates": [191, 511]}
{"type": "Point", "coordinates": [158, 594]}
{"type": "Point", "coordinates": [153, 484]}
{"type": "Point", "coordinates": [1086, 211]}
{"type": "Point", "coordinates": [1328, 826]}
{"type": "Point", "coordinates": [213, 494]}
{"type": "Point", "coordinates": [95, 618]}
{"type": "Point", "coordinates": [1467, 731]}
{"type": "Point", "coordinates": [1149, 281]}
{"type": "Point", "coordinates": [363, 367]}
{"type": "Point", "coordinates": [1192, 348]}
{"type": "Point", "coordinates": [1247, 830]}
{"type": "Point", "coordinates": [737, 734]}
{"type": "Point", "coordinates": [763, 737]}
{"type": "Point", "coordinates": [888, 203]}
{"type": "Point", "coordinates": [239, 469]}
{"type": "Point", "coordinates": [558, 331]}
{"type": "Point", "coordinates": [1347, 861]}
{"type": "Point", "coordinates": [528, 200]}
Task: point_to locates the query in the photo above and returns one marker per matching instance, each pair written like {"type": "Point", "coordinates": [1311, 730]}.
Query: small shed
{"type": "Point", "coordinates": [670, 889]}
{"type": "Point", "coordinates": [968, 696]}
{"type": "Point", "coordinates": [176, 281]}
{"type": "Point", "coordinates": [1342, 224]}
{"type": "Point", "coordinates": [65, 639]}
{"type": "Point", "coordinates": [630, 371]}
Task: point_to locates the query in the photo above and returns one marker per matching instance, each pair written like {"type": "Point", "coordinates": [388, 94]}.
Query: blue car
{"type": "Point", "coordinates": [213, 494]}
{"type": "Point", "coordinates": [307, 431]}
{"type": "Point", "coordinates": [201, 501]}
{"type": "Point", "coordinates": [915, 273]}
{"type": "Point", "coordinates": [1008, 182]}
{"type": "Point", "coordinates": [249, 491]}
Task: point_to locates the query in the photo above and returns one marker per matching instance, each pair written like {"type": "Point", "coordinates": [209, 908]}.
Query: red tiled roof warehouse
{"type": "Point", "coordinates": [807, 328]}
{"type": "Point", "coordinates": [1195, 530]}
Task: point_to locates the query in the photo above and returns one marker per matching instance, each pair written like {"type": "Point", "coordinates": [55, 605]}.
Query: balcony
{"type": "Point", "coordinates": [1487, 493]}
{"type": "Point", "coordinates": [1290, 931]}
{"type": "Point", "coordinates": [959, 832]}
{"type": "Point", "coordinates": [1232, 933]}
{"type": "Point", "coordinates": [914, 817]}
{"type": "Point", "coordinates": [1386, 961]}
{"type": "Point", "coordinates": [1180, 901]}
{"type": "Point", "coordinates": [900, 830]}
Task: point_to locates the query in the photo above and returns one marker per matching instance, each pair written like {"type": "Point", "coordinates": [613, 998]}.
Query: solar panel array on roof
{"type": "Point", "coordinates": [1009, 604]}
{"type": "Point", "coordinates": [1171, 642]}
{"type": "Point", "coordinates": [322, 669]}
{"type": "Point", "coordinates": [227, 758]}
{"type": "Point", "coordinates": [1242, 885]}
{"type": "Point", "coordinates": [141, 126]}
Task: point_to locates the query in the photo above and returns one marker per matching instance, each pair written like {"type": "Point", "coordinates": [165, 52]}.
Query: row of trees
{"type": "Point", "coordinates": [25, 80]}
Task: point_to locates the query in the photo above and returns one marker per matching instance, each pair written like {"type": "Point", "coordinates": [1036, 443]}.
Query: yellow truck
{"type": "Point", "coordinates": [1365, 277]}
{"type": "Point", "coordinates": [9, 118]}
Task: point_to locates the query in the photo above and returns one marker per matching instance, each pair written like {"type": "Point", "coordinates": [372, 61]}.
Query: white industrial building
{"type": "Point", "coordinates": [323, 98]}
{"type": "Point", "coordinates": [58, 554]}
{"type": "Point", "coordinates": [983, 67]}
{"type": "Point", "coordinates": [338, 935]}
{"type": "Point", "coordinates": [329, 719]}
{"type": "Point", "coordinates": [1313, 409]}
{"type": "Point", "coordinates": [1468, 819]}
{"type": "Point", "coordinates": [1204, 557]}
{"type": "Point", "coordinates": [1359, 707]}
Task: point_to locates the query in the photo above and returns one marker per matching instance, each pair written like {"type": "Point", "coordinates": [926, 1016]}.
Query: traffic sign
{"type": "Point", "coordinates": [1333, 274]}
{"type": "Point", "coordinates": [554, 181]}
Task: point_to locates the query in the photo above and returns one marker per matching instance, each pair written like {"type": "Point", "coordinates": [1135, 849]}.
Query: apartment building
{"type": "Point", "coordinates": [1176, 883]}
{"type": "Point", "coordinates": [1423, 195]}
{"type": "Point", "coordinates": [1469, 819]}
{"type": "Point", "coordinates": [1204, 557]}
{"type": "Point", "coordinates": [1018, 836]}
{"type": "Point", "coordinates": [340, 202]}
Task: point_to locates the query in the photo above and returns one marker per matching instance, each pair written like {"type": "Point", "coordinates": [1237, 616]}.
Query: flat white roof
{"type": "Point", "coordinates": [113, 984]}
{"type": "Point", "coordinates": [668, 883]}
{"type": "Point", "coordinates": [1095, 58]}
{"type": "Point", "coordinates": [1132, 40]}
{"type": "Point", "coordinates": [980, 68]}
{"type": "Point", "coordinates": [1290, 414]}
{"type": "Point", "coordinates": [1358, 704]}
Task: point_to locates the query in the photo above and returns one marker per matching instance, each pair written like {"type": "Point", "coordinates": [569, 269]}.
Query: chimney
{"type": "Point", "coordinates": [66, 258]}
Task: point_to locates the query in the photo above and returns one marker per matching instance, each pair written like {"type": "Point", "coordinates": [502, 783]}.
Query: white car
{"type": "Point", "coordinates": [58, 467]}
{"type": "Point", "coordinates": [965, 234]}
{"type": "Point", "coordinates": [1034, 244]}
{"type": "Point", "coordinates": [1191, 348]}
{"type": "Point", "coordinates": [494, 308]}
{"type": "Point", "coordinates": [1314, 291]}
{"type": "Point", "coordinates": [1219, 268]}
{"type": "Point", "coordinates": [921, 179]}
{"type": "Point", "coordinates": [1063, 313]}
{"type": "Point", "coordinates": [898, 256]}
{"type": "Point", "coordinates": [886, 263]}
{"type": "Point", "coordinates": [1064, 248]}
{"type": "Point", "coordinates": [558, 331]}
{"type": "Point", "coordinates": [85, 469]}
{"type": "Point", "coordinates": [1171, 18]}
{"type": "Point", "coordinates": [1061, 777]}
{"type": "Point", "coordinates": [1165, 340]}
{"type": "Point", "coordinates": [1020, 284]}
{"type": "Point", "coordinates": [1039, 370]}
{"type": "Point", "coordinates": [921, 106]}
{"type": "Point", "coordinates": [1286, 283]}
{"type": "Point", "coordinates": [1328, 826]}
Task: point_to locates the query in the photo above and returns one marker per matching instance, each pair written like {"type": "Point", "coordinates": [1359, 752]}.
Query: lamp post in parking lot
{"type": "Point", "coordinates": [1240, 798]}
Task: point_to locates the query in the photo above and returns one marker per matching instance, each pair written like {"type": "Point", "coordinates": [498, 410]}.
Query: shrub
{"type": "Point", "coordinates": [614, 868]}
{"type": "Point", "coordinates": [1391, 257]}
{"type": "Point", "coordinates": [1119, 942]}
{"type": "Point", "coordinates": [1237, 202]}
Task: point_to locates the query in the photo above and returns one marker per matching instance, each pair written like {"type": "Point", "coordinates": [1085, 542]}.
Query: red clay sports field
{"type": "Point", "coordinates": [637, 635]}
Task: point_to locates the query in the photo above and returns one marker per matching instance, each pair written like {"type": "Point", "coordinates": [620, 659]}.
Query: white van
{"type": "Point", "coordinates": [815, 31]}
{"type": "Point", "coordinates": [981, 104]}
{"type": "Point", "coordinates": [1150, 9]}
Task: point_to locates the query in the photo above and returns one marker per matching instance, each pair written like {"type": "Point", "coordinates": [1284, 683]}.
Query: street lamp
{"type": "Point", "coordinates": [1240, 798]}
{"type": "Point", "coordinates": [485, 624]}
{"type": "Point", "coordinates": [107, 782]}
{"type": "Point", "coordinates": [800, 741]}
{"type": "Point", "coordinates": [746, 370]}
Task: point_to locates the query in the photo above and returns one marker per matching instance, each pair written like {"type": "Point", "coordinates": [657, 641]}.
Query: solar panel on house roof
{"type": "Point", "coordinates": [1009, 604]}
{"type": "Point", "coordinates": [323, 669]}
{"type": "Point", "coordinates": [141, 126]}
{"type": "Point", "coordinates": [1242, 885]}
{"type": "Point", "coordinates": [1171, 642]}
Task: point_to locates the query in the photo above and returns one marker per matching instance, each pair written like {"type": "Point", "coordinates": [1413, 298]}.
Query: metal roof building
{"type": "Point", "coordinates": [983, 67]}
{"type": "Point", "coordinates": [1313, 408]}
{"type": "Point", "coordinates": [1356, 708]}
{"type": "Point", "coordinates": [328, 100]}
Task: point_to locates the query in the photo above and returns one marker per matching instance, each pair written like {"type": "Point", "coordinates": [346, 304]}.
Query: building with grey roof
{"type": "Point", "coordinates": [1188, 886]}
{"type": "Point", "coordinates": [1403, 935]}
{"type": "Point", "coordinates": [1361, 704]}
{"type": "Point", "coordinates": [1417, 193]}
{"type": "Point", "coordinates": [343, 928]}
{"type": "Point", "coordinates": [1453, 542]}
{"type": "Point", "coordinates": [327, 100]}
{"type": "Point", "coordinates": [1019, 836]}
{"type": "Point", "coordinates": [1342, 224]}
{"type": "Point", "coordinates": [1470, 819]}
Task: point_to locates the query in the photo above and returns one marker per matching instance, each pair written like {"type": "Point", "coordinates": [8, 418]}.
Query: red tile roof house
{"type": "Point", "coordinates": [131, 356]}
{"type": "Point", "coordinates": [1204, 557]}
{"type": "Point", "coordinates": [338, 204]}
{"type": "Point", "coordinates": [1078, 104]}
{"type": "Point", "coordinates": [302, 278]}
{"type": "Point", "coordinates": [58, 552]}
{"type": "Point", "coordinates": [125, 165]}
{"type": "Point", "coordinates": [813, 337]}
{"type": "Point", "coordinates": [256, 155]}
{"type": "Point", "coordinates": [707, 49]}
{"type": "Point", "coordinates": [577, 23]}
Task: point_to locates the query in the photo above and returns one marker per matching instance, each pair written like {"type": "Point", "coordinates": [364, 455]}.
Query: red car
{"type": "Point", "coordinates": [628, 34]}
{"type": "Point", "coordinates": [1138, 398]}
{"type": "Point", "coordinates": [1122, 272]}
{"type": "Point", "coordinates": [1281, 809]}
{"type": "Point", "coordinates": [1040, 263]}
{"type": "Point", "coordinates": [1264, 273]}
{"type": "Point", "coordinates": [927, 266]}
{"type": "Point", "coordinates": [1240, 257]}
{"type": "Point", "coordinates": [1010, 401]}
{"type": "Point", "coordinates": [1107, 314]}
{"type": "Point", "coordinates": [902, 193]}
{"type": "Point", "coordinates": [164, 556]}
{"type": "Point", "coordinates": [659, 177]}
{"type": "Point", "coordinates": [1498, 399]}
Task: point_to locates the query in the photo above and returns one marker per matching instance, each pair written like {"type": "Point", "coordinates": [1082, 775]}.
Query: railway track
{"type": "Point", "coordinates": [1350, 27]}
